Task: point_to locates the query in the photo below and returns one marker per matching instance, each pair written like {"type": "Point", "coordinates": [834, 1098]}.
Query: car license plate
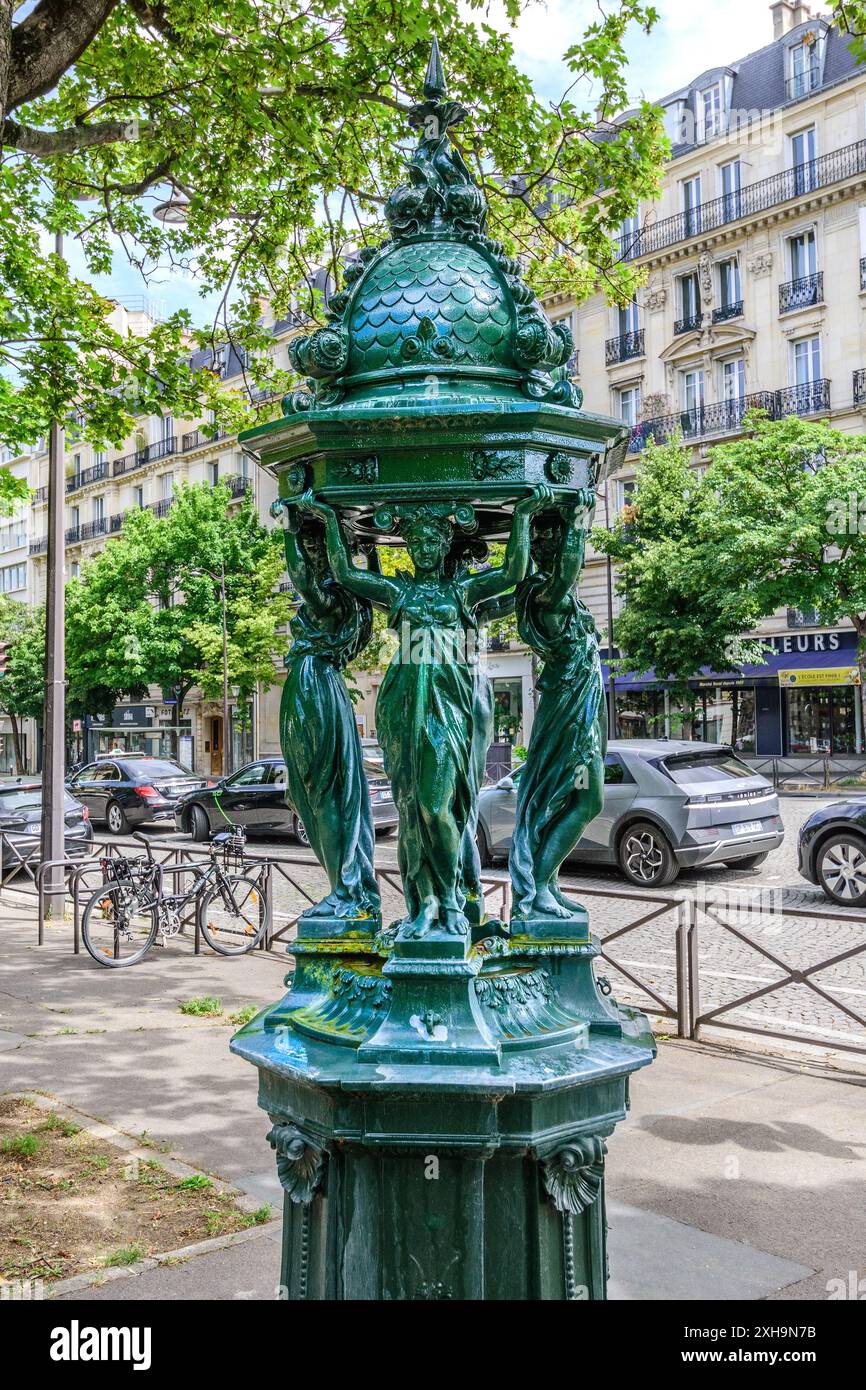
{"type": "Point", "coordinates": [747, 827]}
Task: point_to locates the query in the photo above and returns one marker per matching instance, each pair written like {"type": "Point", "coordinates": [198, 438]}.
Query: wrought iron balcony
{"type": "Point", "coordinates": [726, 417]}
{"type": "Point", "coordinates": [802, 83]}
{"type": "Point", "coordinates": [38, 547]}
{"type": "Point", "coordinates": [689, 323]}
{"type": "Point", "coordinates": [754, 198]}
{"type": "Point", "coordinates": [800, 294]}
{"type": "Point", "coordinates": [93, 528]}
{"type": "Point", "coordinates": [237, 485]}
{"type": "Point", "coordinates": [162, 448]}
{"type": "Point", "coordinates": [41, 494]}
{"type": "Point", "coordinates": [728, 311]}
{"type": "Point", "coordinates": [96, 474]}
{"type": "Point", "coordinates": [73, 535]}
{"type": "Point", "coordinates": [627, 345]}
{"type": "Point", "coordinates": [197, 439]}
{"type": "Point", "coordinates": [860, 386]}
{"type": "Point", "coordinates": [863, 273]}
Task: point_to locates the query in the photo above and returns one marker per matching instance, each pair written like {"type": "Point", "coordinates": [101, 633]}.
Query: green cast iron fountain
{"type": "Point", "coordinates": [440, 1089]}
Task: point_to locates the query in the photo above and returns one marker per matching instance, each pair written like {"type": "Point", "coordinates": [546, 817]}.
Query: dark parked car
{"type": "Point", "coordinates": [832, 851]}
{"type": "Point", "coordinates": [125, 792]}
{"type": "Point", "coordinates": [255, 797]}
{"type": "Point", "coordinates": [21, 823]}
{"type": "Point", "coordinates": [668, 805]}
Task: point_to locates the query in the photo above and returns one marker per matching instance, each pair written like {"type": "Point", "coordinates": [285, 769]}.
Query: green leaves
{"type": "Point", "coordinates": [281, 136]}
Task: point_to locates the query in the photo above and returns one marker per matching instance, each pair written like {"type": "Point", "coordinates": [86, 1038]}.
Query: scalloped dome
{"type": "Point", "coordinates": [438, 302]}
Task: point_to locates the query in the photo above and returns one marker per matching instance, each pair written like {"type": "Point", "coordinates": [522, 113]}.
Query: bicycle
{"type": "Point", "coordinates": [122, 919]}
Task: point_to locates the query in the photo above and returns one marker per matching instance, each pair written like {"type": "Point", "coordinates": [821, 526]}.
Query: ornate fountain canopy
{"type": "Point", "coordinates": [437, 364]}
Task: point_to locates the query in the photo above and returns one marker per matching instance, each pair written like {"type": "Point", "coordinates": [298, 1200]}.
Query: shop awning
{"type": "Point", "coordinates": [823, 668]}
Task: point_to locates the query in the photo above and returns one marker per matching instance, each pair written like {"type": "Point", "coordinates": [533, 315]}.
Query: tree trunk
{"type": "Point", "coordinates": [6, 8]}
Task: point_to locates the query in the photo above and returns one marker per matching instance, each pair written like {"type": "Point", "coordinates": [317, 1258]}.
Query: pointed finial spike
{"type": "Point", "coordinates": [434, 82]}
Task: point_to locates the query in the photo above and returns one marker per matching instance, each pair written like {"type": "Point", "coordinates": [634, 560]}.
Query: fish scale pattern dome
{"type": "Point", "coordinates": [434, 302]}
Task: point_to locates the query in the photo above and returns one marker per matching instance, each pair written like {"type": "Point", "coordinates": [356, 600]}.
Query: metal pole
{"type": "Point", "coordinates": [611, 716]}
{"type": "Point", "coordinates": [53, 745]}
{"type": "Point", "coordinates": [227, 741]}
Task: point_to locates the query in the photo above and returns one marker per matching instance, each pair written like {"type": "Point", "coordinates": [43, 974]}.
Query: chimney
{"type": "Point", "coordinates": [783, 12]}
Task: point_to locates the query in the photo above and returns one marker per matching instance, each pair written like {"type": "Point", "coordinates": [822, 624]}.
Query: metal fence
{"type": "Point", "coordinates": [824, 773]}
{"type": "Point", "coordinates": [691, 916]}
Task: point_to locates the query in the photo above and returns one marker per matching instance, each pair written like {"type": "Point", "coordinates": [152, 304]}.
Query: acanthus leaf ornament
{"type": "Point", "coordinates": [573, 1174]}
{"type": "Point", "coordinates": [300, 1164]}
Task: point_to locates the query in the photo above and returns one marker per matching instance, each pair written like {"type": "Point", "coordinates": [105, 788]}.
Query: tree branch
{"type": "Point", "coordinates": [47, 143]}
{"type": "Point", "coordinates": [47, 43]}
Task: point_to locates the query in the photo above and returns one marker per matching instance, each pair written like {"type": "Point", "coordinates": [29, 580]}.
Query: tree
{"type": "Point", "coordinates": [278, 136]}
{"type": "Point", "coordinates": [672, 622]}
{"type": "Point", "coordinates": [148, 609]}
{"type": "Point", "coordinates": [778, 520]}
{"type": "Point", "coordinates": [850, 18]}
{"type": "Point", "coordinates": [22, 684]}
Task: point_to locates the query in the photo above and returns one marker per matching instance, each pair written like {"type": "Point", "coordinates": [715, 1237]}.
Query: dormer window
{"type": "Point", "coordinates": [673, 122]}
{"type": "Point", "coordinates": [710, 112]}
{"type": "Point", "coordinates": [804, 60]}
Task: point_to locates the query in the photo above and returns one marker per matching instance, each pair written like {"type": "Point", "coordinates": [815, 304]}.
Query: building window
{"type": "Point", "coordinates": [74, 570]}
{"type": "Point", "coordinates": [693, 389]}
{"type": "Point", "coordinates": [806, 361]}
{"type": "Point", "coordinates": [733, 379]}
{"type": "Point", "coordinates": [730, 290]}
{"type": "Point", "coordinates": [100, 456]}
{"type": "Point", "coordinates": [805, 73]}
{"type": "Point", "coordinates": [710, 112]}
{"type": "Point", "coordinates": [691, 195]}
{"type": "Point", "coordinates": [98, 509]}
{"type": "Point", "coordinates": [74, 518]}
{"type": "Point", "coordinates": [629, 236]}
{"type": "Point", "coordinates": [507, 709]}
{"type": "Point", "coordinates": [823, 720]}
{"type": "Point", "coordinates": [628, 319]}
{"type": "Point", "coordinates": [166, 484]}
{"type": "Point", "coordinates": [629, 405]}
{"type": "Point", "coordinates": [803, 255]}
{"type": "Point", "coordinates": [571, 363]}
{"type": "Point", "coordinates": [730, 179]}
{"type": "Point", "coordinates": [803, 160]}
{"type": "Point", "coordinates": [690, 303]}
{"type": "Point", "coordinates": [167, 428]}
{"type": "Point", "coordinates": [214, 472]}
{"type": "Point", "coordinates": [12, 578]}
{"type": "Point", "coordinates": [624, 493]}
{"type": "Point", "coordinates": [138, 496]}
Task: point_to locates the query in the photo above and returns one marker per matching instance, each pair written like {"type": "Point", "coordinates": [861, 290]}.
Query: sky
{"type": "Point", "coordinates": [689, 37]}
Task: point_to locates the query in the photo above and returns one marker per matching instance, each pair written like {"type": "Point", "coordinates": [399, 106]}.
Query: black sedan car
{"type": "Point", "coordinates": [125, 791]}
{"type": "Point", "coordinates": [255, 797]}
{"type": "Point", "coordinates": [832, 851]}
{"type": "Point", "coordinates": [21, 826]}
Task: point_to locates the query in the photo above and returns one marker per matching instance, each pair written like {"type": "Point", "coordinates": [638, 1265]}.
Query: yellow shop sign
{"type": "Point", "coordinates": [825, 675]}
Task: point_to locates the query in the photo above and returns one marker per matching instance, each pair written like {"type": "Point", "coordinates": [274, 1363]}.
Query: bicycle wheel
{"type": "Point", "coordinates": [115, 929]}
{"type": "Point", "coordinates": [233, 915]}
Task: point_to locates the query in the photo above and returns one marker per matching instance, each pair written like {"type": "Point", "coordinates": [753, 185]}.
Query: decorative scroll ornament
{"type": "Point", "coordinates": [485, 465]}
{"type": "Point", "coordinates": [401, 515]}
{"type": "Point", "coordinates": [573, 1175]}
{"type": "Point", "coordinates": [361, 470]}
{"type": "Point", "coordinates": [428, 345]}
{"type": "Point", "coordinates": [300, 1164]}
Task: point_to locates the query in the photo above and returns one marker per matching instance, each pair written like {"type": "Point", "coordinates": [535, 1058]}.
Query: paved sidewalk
{"type": "Point", "coordinates": [733, 1176]}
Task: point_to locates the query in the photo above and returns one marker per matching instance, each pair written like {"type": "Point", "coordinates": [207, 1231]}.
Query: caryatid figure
{"type": "Point", "coordinates": [561, 785]}
{"type": "Point", "coordinates": [325, 776]}
{"type": "Point", "coordinates": [425, 712]}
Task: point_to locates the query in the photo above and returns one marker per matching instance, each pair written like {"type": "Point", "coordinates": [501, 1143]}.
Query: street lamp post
{"type": "Point", "coordinates": [53, 841]}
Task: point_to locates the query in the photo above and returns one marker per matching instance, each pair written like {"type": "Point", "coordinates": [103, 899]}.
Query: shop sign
{"type": "Point", "coordinates": [824, 675]}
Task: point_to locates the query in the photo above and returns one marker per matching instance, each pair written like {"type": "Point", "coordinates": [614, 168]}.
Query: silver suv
{"type": "Point", "coordinates": [668, 805]}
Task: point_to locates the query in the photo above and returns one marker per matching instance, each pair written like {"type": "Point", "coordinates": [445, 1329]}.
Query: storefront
{"type": "Point", "coordinates": [140, 729]}
{"type": "Point", "coordinates": [804, 701]}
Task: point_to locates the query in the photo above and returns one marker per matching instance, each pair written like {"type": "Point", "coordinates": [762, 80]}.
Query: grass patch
{"type": "Point", "coordinates": [259, 1216]}
{"type": "Point", "coordinates": [54, 1122]}
{"type": "Point", "coordinates": [125, 1255]}
{"type": "Point", "coordinates": [242, 1016]}
{"type": "Point", "coordinates": [202, 1006]}
{"type": "Point", "coordinates": [21, 1145]}
{"type": "Point", "coordinates": [196, 1183]}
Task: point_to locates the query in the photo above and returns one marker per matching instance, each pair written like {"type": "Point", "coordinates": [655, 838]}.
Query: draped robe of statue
{"type": "Point", "coordinates": [424, 717]}
{"type": "Point", "coordinates": [325, 775]}
{"type": "Point", "coordinates": [560, 786]}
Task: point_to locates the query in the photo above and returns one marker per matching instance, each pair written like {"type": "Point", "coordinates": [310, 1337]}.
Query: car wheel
{"type": "Point", "coordinates": [299, 830]}
{"type": "Point", "coordinates": [646, 857]}
{"type": "Point", "coordinates": [751, 861]}
{"type": "Point", "coordinates": [199, 825]}
{"type": "Point", "coordinates": [483, 848]}
{"type": "Point", "coordinates": [382, 830]}
{"type": "Point", "coordinates": [841, 869]}
{"type": "Point", "coordinates": [115, 819]}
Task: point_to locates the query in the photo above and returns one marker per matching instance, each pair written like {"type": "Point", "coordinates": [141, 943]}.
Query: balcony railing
{"type": "Point", "coordinates": [41, 494]}
{"type": "Point", "coordinates": [38, 547]}
{"type": "Point", "coordinates": [754, 198]}
{"type": "Point", "coordinates": [237, 485]}
{"type": "Point", "coordinates": [728, 311]}
{"type": "Point", "coordinates": [800, 294]}
{"type": "Point", "coordinates": [196, 439]}
{"type": "Point", "coordinates": [688, 324]}
{"type": "Point", "coordinates": [863, 273]}
{"type": "Point", "coordinates": [163, 448]}
{"type": "Point", "coordinates": [726, 417]}
{"type": "Point", "coordinates": [96, 474]}
{"type": "Point", "coordinates": [94, 528]}
{"type": "Point", "coordinates": [860, 387]}
{"type": "Point", "coordinates": [72, 535]}
{"type": "Point", "coordinates": [627, 345]}
{"type": "Point", "coordinates": [802, 83]}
